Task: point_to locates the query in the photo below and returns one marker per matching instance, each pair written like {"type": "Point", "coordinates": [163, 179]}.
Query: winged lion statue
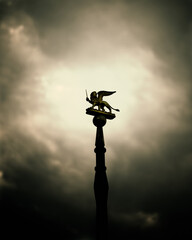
{"type": "Point", "coordinates": [96, 99]}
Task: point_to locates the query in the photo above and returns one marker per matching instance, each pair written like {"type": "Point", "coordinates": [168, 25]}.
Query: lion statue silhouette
{"type": "Point", "coordinates": [96, 99]}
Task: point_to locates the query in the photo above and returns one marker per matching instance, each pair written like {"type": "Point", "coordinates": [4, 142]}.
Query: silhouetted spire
{"type": "Point", "coordinates": [101, 186]}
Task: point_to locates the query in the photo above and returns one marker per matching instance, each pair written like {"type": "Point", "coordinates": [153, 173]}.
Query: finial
{"type": "Point", "coordinates": [99, 120]}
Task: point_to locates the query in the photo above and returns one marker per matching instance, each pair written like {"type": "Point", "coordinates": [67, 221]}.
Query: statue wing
{"type": "Point", "coordinates": [101, 94]}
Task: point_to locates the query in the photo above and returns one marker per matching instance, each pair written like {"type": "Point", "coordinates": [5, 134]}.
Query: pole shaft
{"type": "Point", "coordinates": [101, 187]}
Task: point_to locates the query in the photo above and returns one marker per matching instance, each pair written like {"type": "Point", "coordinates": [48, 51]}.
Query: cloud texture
{"type": "Point", "coordinates": [51, 51]}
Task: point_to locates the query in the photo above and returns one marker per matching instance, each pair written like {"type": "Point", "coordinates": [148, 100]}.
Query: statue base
{"type": "Point", "coordinates": [94, 112]}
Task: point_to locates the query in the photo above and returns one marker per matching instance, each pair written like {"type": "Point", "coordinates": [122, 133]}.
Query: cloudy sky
{"type": "Point", "coordinates": [51, 51]}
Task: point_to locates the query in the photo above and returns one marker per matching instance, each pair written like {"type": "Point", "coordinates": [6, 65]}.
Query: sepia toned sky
{"type": "Point", "coordinates": [51, 52]}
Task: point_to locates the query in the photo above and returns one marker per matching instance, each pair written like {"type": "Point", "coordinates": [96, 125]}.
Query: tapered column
{"type": "Point", "coordinates": [100, 184]}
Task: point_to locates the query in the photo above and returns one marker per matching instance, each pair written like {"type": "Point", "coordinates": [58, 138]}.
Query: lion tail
{"type": "Point", "coordinates": [115, 109]}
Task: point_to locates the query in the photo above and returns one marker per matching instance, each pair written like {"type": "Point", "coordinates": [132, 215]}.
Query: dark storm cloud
{"type": "Point", "coordinates": [56, 22]}
{"type": "Point", "coordinates": [17, 86]}
{"type": "Point", "coordinates": [149, 186]}
{"type": "Point", "coordinates": [40, 193]}
{"type": "Point", "coordinates": [161, 26]}
{"type": "Point", "coordinates": [168, 35]}
{"type": "Point", "coordinates": [164, 27]}
{"type": "Point", "coordinates": [155, 183]}
{"type": "Point", "coordinates": [36, 191]}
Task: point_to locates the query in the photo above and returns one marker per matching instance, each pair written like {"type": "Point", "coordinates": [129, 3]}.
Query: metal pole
{"type": "Point", "coordinates": [100, 184]}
